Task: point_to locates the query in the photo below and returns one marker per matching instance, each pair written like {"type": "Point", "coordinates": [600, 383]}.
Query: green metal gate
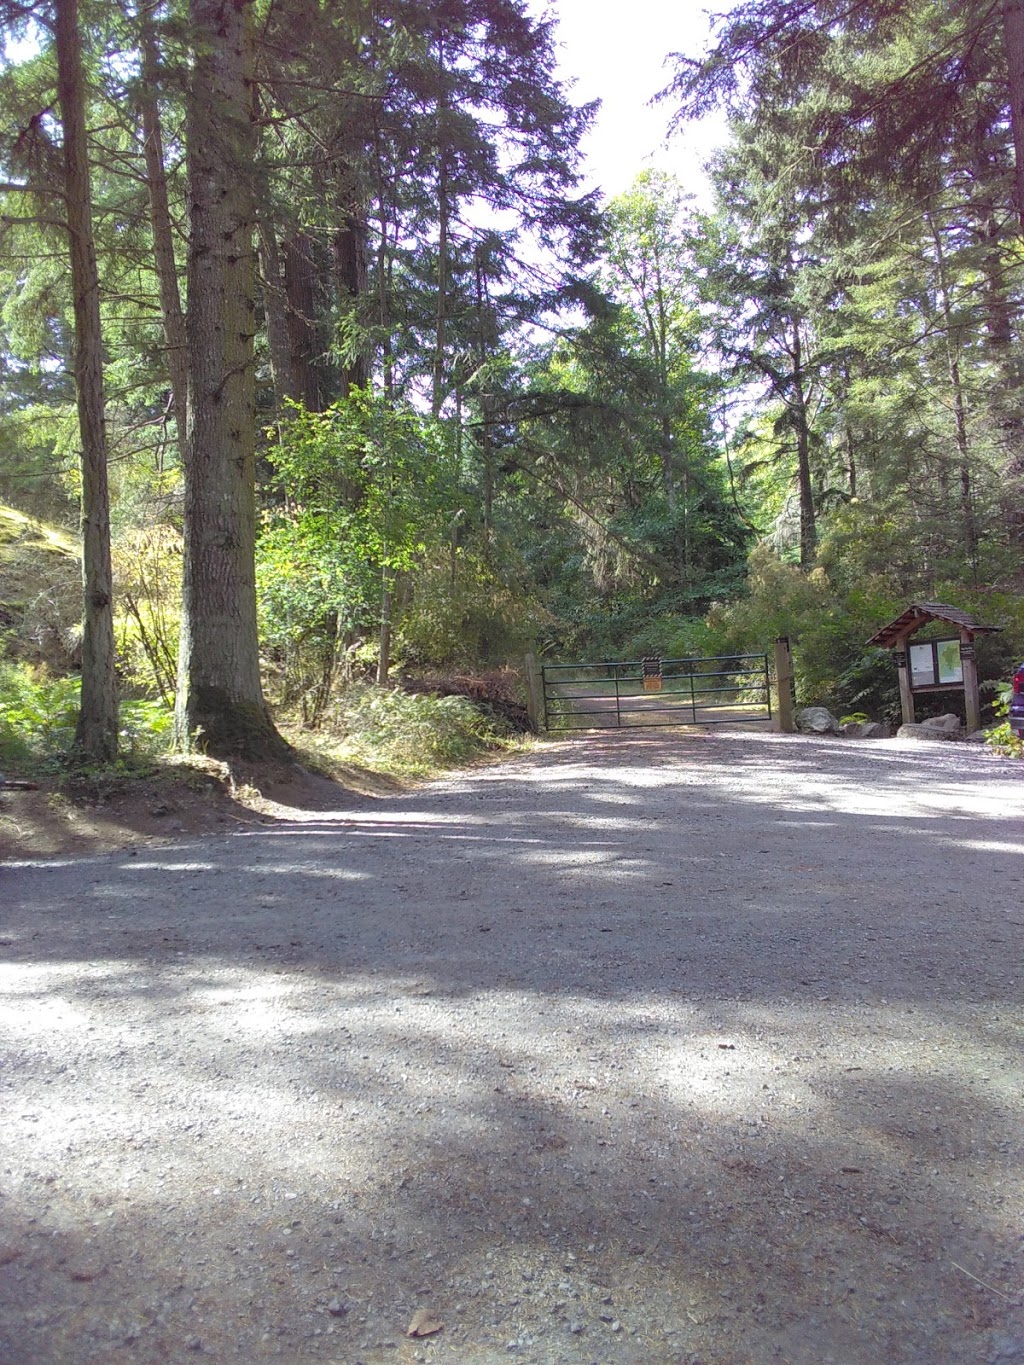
{"type": "Point", "coordinates": [652, 691]}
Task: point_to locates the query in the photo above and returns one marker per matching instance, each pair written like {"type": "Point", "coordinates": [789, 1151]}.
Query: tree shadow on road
{"type": "Point", "coordinates": [702, 1055]}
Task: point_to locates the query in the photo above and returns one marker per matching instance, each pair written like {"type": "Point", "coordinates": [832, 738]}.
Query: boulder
{"type": "Point", "coordinates": [925, 731]}
{"type": "Point", "coordinates": [815, 720]}
{"type": "Point", "coordinates": [948, 722]}
{"type": "Point", "coordinates": [864, 729]}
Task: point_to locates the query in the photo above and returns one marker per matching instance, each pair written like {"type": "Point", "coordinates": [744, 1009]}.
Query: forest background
{"type": "Point", "coordinates": [308, 319]}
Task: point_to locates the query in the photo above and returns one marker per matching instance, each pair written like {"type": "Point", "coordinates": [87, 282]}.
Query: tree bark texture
{"type": "Point", "coordinates": [301, 281]}
{"type": "Point", "coordinates": [805, 485]}
{"type": "Point", "coordinates": [163, 234]}
{"type": "Point", "coordinates": [276, 312]}
{"type": "Point", "coordinates": [96, 732]}
{"type": "Point", "coordinates": [220, 699]}
{"type": "Point", "coordinates": [1013, 42]}
{"type": "Point", "coordinates": [443, 211]}
{"type": "Point", "coordinates": [349, 249]}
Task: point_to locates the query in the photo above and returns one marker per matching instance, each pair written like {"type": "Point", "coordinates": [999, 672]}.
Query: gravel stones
{"type": "Point", "coordinates": [717, 1084]}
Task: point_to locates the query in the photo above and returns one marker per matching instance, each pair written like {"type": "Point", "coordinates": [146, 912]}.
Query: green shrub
{"type": "Point", "coordinates": [463, 614]}
{"type": "Point", "coordinates": [147, 565]}
{"type": "Point", "coordinates": [411, 732]}
{"type": "Point", "coordinates": [1001, 737]}
{"type": "Point", "coordinates": [827, 628]}
{"type": "Point", "coordinates": [38, 717]}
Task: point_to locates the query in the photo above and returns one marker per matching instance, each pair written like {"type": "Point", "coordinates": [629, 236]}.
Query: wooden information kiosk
{"type": "Point", "coordinates": [941, 665]}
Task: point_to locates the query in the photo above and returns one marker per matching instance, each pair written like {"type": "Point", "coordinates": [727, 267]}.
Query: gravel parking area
{"type": "Point", "coordinates": [650, 1048]}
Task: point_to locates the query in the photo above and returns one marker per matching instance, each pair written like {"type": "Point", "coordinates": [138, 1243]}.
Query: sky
{"type": "Point", "coordinates": [614, 50]}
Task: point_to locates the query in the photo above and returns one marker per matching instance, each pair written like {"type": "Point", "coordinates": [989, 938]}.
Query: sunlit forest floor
{"type": "Point", "coordinates": [645, 1048]}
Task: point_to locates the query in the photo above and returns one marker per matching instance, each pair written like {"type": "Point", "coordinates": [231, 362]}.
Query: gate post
{"type": "Point", "coordinates": [534, 697]}
{"type": "Point", "coordinates": [784, 684]}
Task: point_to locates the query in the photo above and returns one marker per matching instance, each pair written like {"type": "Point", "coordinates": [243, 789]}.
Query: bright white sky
{"type": "Point", "coordinates": [614, 50]}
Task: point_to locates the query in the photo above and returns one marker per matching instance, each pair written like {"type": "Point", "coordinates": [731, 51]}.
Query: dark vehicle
{"type": "Point", "coordinates": [1017, 703]}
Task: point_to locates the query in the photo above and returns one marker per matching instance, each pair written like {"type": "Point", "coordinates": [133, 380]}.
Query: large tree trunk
{"type": "Point", "coordinates": [959, 404]}
{"type": "Point", "coordinates": [443, 213]}
{"type": "Point", "coordinates": [96, 732]}
{"type": "Point", "coordinates": [220, 700]}
{"type": "Point", "coordinates": [1013, 43]}
{"type": "Point", "coordinates": [163, 236]}
{"type": "Point", "coordinates": [276, 312]}
{"type": "Point", "coordinates": [349, 249]}
{"type": "Point", "coordinates": [300, 282]}
{"type": "Point", "coordinates": [805, 485]}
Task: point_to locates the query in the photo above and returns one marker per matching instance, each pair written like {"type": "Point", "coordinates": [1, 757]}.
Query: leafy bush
{"type": "Point", "coordinates": [1001, 737]}
{"type": "Point", "coordinates": [147, 565]}
{"type": "Point", "coordinates": [411, 732]}
{"type": "Point", "coordinates": [462, 614]}
{"type": "Point", "coordinates": [827, 627]}
{"type": "Point", "coordinates": [38, 717]}
{"type": "Point", "coordinates": [311, 594]}
{"type": "Point", "coordinates": [146, 729]}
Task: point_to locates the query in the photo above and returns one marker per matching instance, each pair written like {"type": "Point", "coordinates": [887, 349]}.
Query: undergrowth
{"type": "Point", "coordinates": [405, 734]}
{"type": "Point", "coordinates": [38, 716]}
{"type": "Point", "coordinates": [1000, 737]}
{"type": "Point", "coordinates": [385, 730]}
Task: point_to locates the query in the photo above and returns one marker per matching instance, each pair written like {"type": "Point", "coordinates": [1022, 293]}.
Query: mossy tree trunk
{"type": "Point", "coordinates": [220, 703]}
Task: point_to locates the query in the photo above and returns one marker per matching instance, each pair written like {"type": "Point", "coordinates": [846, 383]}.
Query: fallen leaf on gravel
{"type": "Point", "coordinates": [83, 1273]}
{"type": "Point", "coordinates": [554, 1143]}
{"type": "Point", "coordinates": [425, 1323]}
{"type": "Point", "coordinates": [851, 1170]}
{"type": "Point", "coordinates": [727, 1047]}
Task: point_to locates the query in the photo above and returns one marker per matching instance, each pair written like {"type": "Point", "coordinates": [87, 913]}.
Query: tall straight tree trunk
{"type": "Point", "coordinates": [163, 236]}
{"type": "Point", "coordinates": [220, 700]}
{"type": "Point", "coordinates": [96, 732]}
{"type": "Point", "coordinates": [969, 523]}
{"type": "Point", "coordinates": [1013, 44]}
{"type": "Point", "coordinates": [798, 412]}
{"type": "Point", "coordinates": [348, 247]}
{"type": "Point", "coordinates": [443, 213]}
{"type": "Point", "coordinates": [300, 283]}
{"type": "Point", "coordinates": [276, 313]}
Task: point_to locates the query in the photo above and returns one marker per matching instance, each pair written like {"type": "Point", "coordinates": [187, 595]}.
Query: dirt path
{"type": "Point", "coordinates": [643, 1049]}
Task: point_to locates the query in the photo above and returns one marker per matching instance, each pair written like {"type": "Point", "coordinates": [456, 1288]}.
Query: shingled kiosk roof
{"type": "Point", "coordinates": [919, 614]}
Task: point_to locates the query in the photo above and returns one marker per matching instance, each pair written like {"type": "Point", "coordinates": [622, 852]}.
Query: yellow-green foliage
{"type": "Point", "coordinates": [462, 613]}
{"type": "Point", "coordinates": [40, 588]}
{"type": "Point", "coordinates": [827, 627]}
{"type": "Point", "coordinates": [147, 606]}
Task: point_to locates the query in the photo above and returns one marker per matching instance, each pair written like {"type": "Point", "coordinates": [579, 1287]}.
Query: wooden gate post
{"type": "Point", "coordinates": [903, 673]}
{"type": "Point", "coordinates": [534, 692]}
{"type": "Point", "coordinates": [969, 668]}
{"type": "Point", "coordinates": [784, 684]}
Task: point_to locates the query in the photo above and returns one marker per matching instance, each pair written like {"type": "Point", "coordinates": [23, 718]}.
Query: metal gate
{"type": "Point", "coordinates": [652, 691]}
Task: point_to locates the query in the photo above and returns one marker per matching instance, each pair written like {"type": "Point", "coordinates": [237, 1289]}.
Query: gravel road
{"type": "Point", "coordinates": [641, 1049]}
